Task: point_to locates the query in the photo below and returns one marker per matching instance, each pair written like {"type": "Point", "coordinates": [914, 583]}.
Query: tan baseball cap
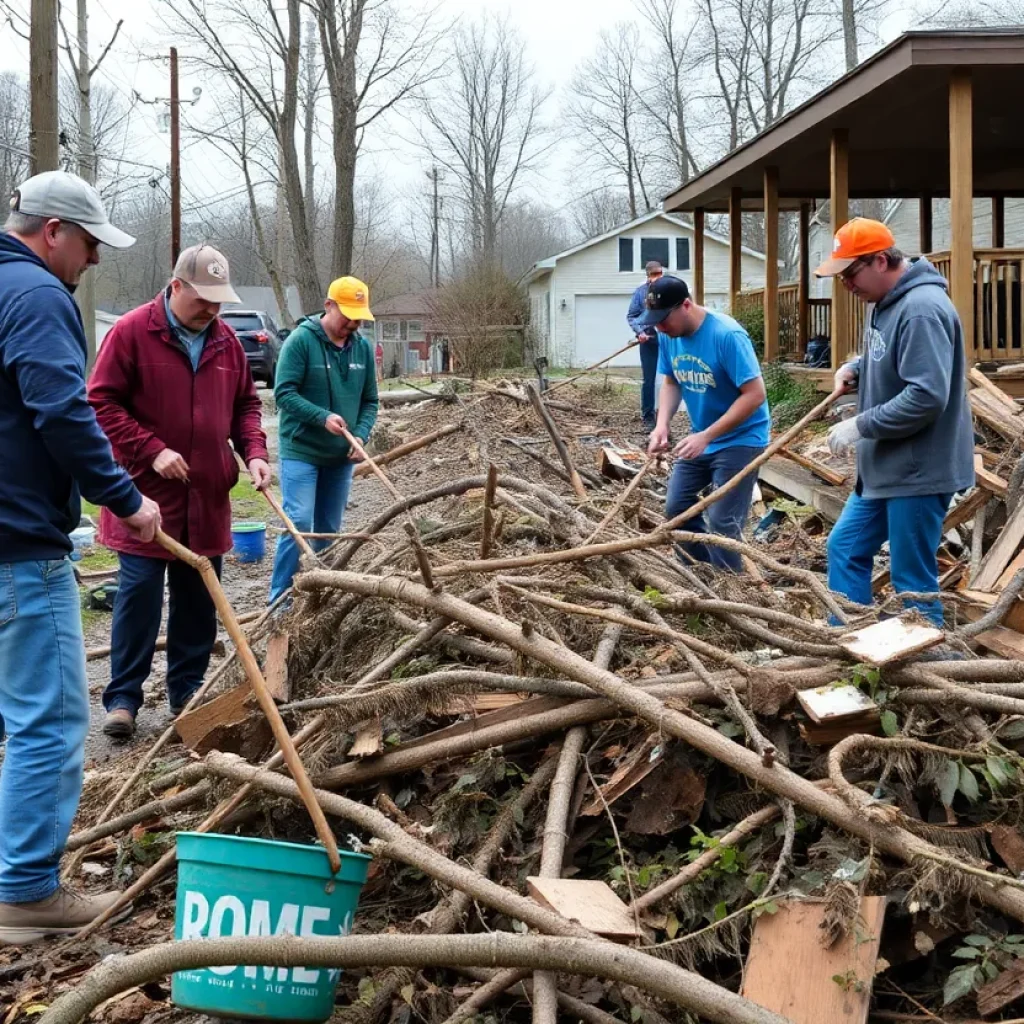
{"type": "Point", "coordinates": [207, 271]}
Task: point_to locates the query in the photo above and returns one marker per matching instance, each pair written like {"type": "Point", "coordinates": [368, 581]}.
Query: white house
{"type": "Point", "coordinates": [579, 298]}
{"type": "Point", "coordinates": [104, 322]}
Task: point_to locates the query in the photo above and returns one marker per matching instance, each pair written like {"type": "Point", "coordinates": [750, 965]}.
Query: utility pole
{"type": "Point", "coordinates": [435, 234]}
{"type": "Point", "coordinates": [175, 161]}
{"type": "Point", "coordinates": [44, 148]}
{"type": "Point", "coordinates": [86, 294]}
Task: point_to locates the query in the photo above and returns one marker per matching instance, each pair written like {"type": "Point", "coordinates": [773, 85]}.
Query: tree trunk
{"type": "Point", "coordinates": [86, 294]}
{"type": "Point", "coordinates": [850, 34]}
{"type": "Point", "coordinates": [309, 125]}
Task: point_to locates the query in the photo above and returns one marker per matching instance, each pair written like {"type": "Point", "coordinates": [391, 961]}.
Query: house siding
{"type": "Point", "coordinates": [594, 271]}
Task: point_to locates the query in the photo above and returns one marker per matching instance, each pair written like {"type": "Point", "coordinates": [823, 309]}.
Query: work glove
{"type": "Point", "coordinates": [844, 436]}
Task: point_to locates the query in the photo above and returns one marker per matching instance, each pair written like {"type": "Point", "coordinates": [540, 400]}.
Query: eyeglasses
{"type": "Point", "coordinates": [854, 268]}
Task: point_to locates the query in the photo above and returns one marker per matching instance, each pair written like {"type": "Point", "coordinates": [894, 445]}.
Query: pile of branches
{"type": "Point", "coordinates": [645, 733]}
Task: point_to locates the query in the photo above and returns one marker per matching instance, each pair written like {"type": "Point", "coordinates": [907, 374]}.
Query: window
{"type": "Point", "coordinates": [653, 249]}
{"type": "Point", "coordinates": [682, 254]}
{"type": "Point", "coordinates": [625, 255]}
{"type": "Point", "coordinates": [403, 330]}
{"type": "Point", "coordinates": [390, 332]}
{"type": "Point", "coordinates": [415, 329]}
{"type": "Point", "coordinates": [244, 321]}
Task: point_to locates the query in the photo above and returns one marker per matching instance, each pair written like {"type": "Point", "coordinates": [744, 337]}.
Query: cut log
{"type": "Point", "coordinates": [591, 904]}
{"type": "Point", "coordinates": [830, 476]}
{"type": "Point", "coordinates": [889, 640]}
{"type": "Point", "coordinates": [276, 668]}
{"type": "Point", "coordinates": [1002, 551]}
{"type": "Point", "coordinates": [979, 380]}
{"type": "Point", "coordinates": [230, 722]}
{"type": "Point", "coordinates": [995, 415]}
{"type": "Point", "coordinates": [790, 971]}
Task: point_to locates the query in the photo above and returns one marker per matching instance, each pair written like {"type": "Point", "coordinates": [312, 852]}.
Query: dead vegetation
{"type": "Point", "coordinates": [539, 719]}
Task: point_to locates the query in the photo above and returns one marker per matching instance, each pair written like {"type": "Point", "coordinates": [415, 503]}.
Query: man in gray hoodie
{"type": "Point", "coordinates": [913, 431]}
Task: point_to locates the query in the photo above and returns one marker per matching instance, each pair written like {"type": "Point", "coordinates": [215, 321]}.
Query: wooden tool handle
{"type": "Point", "coordinates": [368, 459]}
{"type": "Point", "coordinates": [259, 687]}
{"type": "Point", "coordinates": [593, 366]}
{"type": "Point", "coordinates": [279, 511]}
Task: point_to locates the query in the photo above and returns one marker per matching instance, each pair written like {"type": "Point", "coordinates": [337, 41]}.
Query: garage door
{"type": "Point", "coordinates": [601, 328]}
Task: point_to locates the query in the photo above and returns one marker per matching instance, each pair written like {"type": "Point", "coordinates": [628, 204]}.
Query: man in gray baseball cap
{"type": "Point", "coordinates": [53, 451]}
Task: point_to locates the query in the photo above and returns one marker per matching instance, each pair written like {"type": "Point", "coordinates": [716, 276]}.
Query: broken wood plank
{"type": "Point", "coordinates": [830, 476]}
{"type": "Point", "coordinates": [987, 457]}
{"type": "Point", "coordinates": [1003, 990]}
{"type": "Point", "coordinates": [828, 705]}
{"type": "Point", "coordinates": [1009, 572]}
{"type": "Point", "coordinates": [276, 668]}
{"type": "Point", "coordinates": [1002, 551]}
{"type": "Point", "coordinates": [830, 734]}
{"type": "Point", "coordinates": [230, 722]}
{"type": "Point", "coordinates": [889, 640]}
{"type": "Point", "coordinates": [1008, 842]}
{"type": "Point", "coordinates": [1007, 643]}
{"type": "Point", "coordinates": [986, 478]}
{"type": "Point", "coordinates": [966, 509]}
{"type": "Point", "coordinates": [983, 602]}
{"type": "Point", "coordinates": [590, 903]}
{"type": "Point", "coordinates": [790, 971]}
{"type": "Point", "coordinates": [995, 415]}
{"type": "Point", "coordinates": [979, 380]}
{"type": "Point", "coordinates": [633, 770]}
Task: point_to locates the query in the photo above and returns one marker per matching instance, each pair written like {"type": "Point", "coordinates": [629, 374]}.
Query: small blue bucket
{"type": "Point", "coordinates": [249, 540]}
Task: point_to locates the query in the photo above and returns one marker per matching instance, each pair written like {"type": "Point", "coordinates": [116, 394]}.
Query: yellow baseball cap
{"type": "Point", "coordinates": [352, 297]}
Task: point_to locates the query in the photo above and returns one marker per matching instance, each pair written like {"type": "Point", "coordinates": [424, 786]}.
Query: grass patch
{"type": "Point", "coordinates": [247, 503]}
{"type": "Point", "coordinates": [96, 558]}
{"type": "Point", "coordinates": [89, 509]}
{"type": "Point", "coordinates": [92, 618]}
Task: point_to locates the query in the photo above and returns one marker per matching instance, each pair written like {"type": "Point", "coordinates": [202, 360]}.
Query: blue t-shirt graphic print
{"type": "Point", "coordinates": [710, 367]}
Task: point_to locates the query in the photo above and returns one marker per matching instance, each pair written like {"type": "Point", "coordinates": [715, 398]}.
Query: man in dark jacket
{"type": "Point", "coordinates": [326, 383]}
{"type": "Point", "coordinates": [53, 450]}
{"type": "Point", "coordinates": [170, 387]}
{"type": "Point", "coordinates": [912, 432]}
{"type": "Point", "coordinates": [648, 338]}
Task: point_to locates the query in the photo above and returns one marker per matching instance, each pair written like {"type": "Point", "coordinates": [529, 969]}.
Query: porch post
{"type": "Point", "coordinates": [998, 222]}
{"type": "Point", "coordinates": [839, 206]}
{"type": "Point", "coordinates": [925, 232]}
{"type": "Point", "coordinates": [698, 256]}
{"type": "Point", "coordinates": [735, 248]}
{"type": "Point", "coordinates": [961, 203]}
{"type": "Point", "coordinates": [771, 264]}
{"type": "Point", "coordinates": [804, 282]}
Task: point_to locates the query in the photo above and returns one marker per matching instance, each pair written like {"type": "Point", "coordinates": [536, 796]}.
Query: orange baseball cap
{"type": "Point", "coordinates": [352, 297]}
{"type": "Point", "coordinates": [856, 238]}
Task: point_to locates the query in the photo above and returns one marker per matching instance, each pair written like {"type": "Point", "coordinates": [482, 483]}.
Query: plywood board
{"type": "Point", "coordinates": [831, 704]}
{"type": "Point", "coordinates": [790, 972]}
{"type": "Point", "coordinates": [228, 709]}
{"type": "Point", "coordinates": [982, 603]}
{"type": "Point", "coordinates": [1007, 643]}
{"type": "Point", "coordinates": [591, 904]}
{"type": "Point", "coordinates": [276, 668]}
{"type": "Point", "coordinates": [889, 640]}
{"type": "Point", "coordinates": [1002, 551]}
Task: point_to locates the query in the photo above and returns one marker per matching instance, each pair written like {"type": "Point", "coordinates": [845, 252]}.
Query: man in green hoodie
{"type": "Point", "coordinates": [326, 383]}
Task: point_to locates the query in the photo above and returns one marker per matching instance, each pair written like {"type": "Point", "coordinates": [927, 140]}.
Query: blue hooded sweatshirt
{"type": "Point", "coordinates": [50, 441]}
{"type": "Point", "coordinates": [913, 414]}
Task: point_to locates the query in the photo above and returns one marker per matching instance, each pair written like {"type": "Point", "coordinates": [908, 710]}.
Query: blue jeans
{"type": "Point", "coordinates": [191, 630]}
{"type": "Point", "coordinates": [44, 711]}
{"type": "Point", "coordinates": [649, 364]}
{"type": "Point", "coordinates": [913, 527]}
{"type": "Point", "coordinates": [314, 499]}
{"type": "Point", "coordinates": [725, 517]}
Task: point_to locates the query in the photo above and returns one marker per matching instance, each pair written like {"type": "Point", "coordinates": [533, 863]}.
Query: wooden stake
{"type": "Point", "coordinates": [556, 439]}
{"type": "Point", "coordinates": [421, 555]}
{"type": "Point", "coordinates": [266, 702]}
{"type": "Point", "coordinates": [593, 366]}
{"type": "Point", "coordinates": [621, 500]}
{"type": "Point", "coordinates": [488, 535]}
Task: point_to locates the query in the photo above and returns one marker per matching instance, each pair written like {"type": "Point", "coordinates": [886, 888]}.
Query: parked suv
{"type": "Point", "coordinates": [261, 338]}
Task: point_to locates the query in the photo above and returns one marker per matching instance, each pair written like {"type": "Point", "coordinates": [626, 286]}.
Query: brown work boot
{"type": "Point", "coordinates": [60, 914]}
{"type": "Point", "coordinates": [119, 724]}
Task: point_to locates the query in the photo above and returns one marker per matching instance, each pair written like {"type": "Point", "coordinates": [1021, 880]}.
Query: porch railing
{"type": "Point", "coordinates": [998, 293]}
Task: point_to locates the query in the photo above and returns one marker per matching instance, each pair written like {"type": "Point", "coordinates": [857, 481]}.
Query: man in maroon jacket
{"type": "Point", "coordinates": [170, 386]}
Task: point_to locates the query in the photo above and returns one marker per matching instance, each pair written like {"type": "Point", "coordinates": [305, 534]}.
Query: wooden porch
{"type": "Point", "coordinates": [929, 116]}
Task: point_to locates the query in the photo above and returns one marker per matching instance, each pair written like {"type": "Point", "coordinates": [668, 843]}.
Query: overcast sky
{"type": "Point", "coordinates": [558, 35]}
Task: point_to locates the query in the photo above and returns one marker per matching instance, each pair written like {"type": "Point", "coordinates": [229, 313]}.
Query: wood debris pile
{"type": "Point", "coordinates": [541, 720]}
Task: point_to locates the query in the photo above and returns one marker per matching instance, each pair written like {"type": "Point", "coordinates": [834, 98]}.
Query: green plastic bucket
{"type": "Point", "coordinates": [233, 886]}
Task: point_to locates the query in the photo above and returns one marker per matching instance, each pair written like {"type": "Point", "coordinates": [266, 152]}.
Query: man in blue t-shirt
{"type": "Point", "coordinates": [709, 363]}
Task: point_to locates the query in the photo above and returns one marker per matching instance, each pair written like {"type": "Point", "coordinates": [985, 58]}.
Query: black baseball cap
{"type": "Point", "coordinates": [663, 295]}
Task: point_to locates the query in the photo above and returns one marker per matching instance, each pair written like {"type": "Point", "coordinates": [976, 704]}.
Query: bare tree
{"type": "Point", "coordinates": [665, 80]}
{"type": "Point", "coordinates": [598, 211]}
{"type": "Point", "coordinates": [605, 113]}
{"type": "Point", "coordinates": [375, 58]}
{"type": "Point", "coordinates": [484, 127]}
{"type": "Point", "coordinates": [14, 161]}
